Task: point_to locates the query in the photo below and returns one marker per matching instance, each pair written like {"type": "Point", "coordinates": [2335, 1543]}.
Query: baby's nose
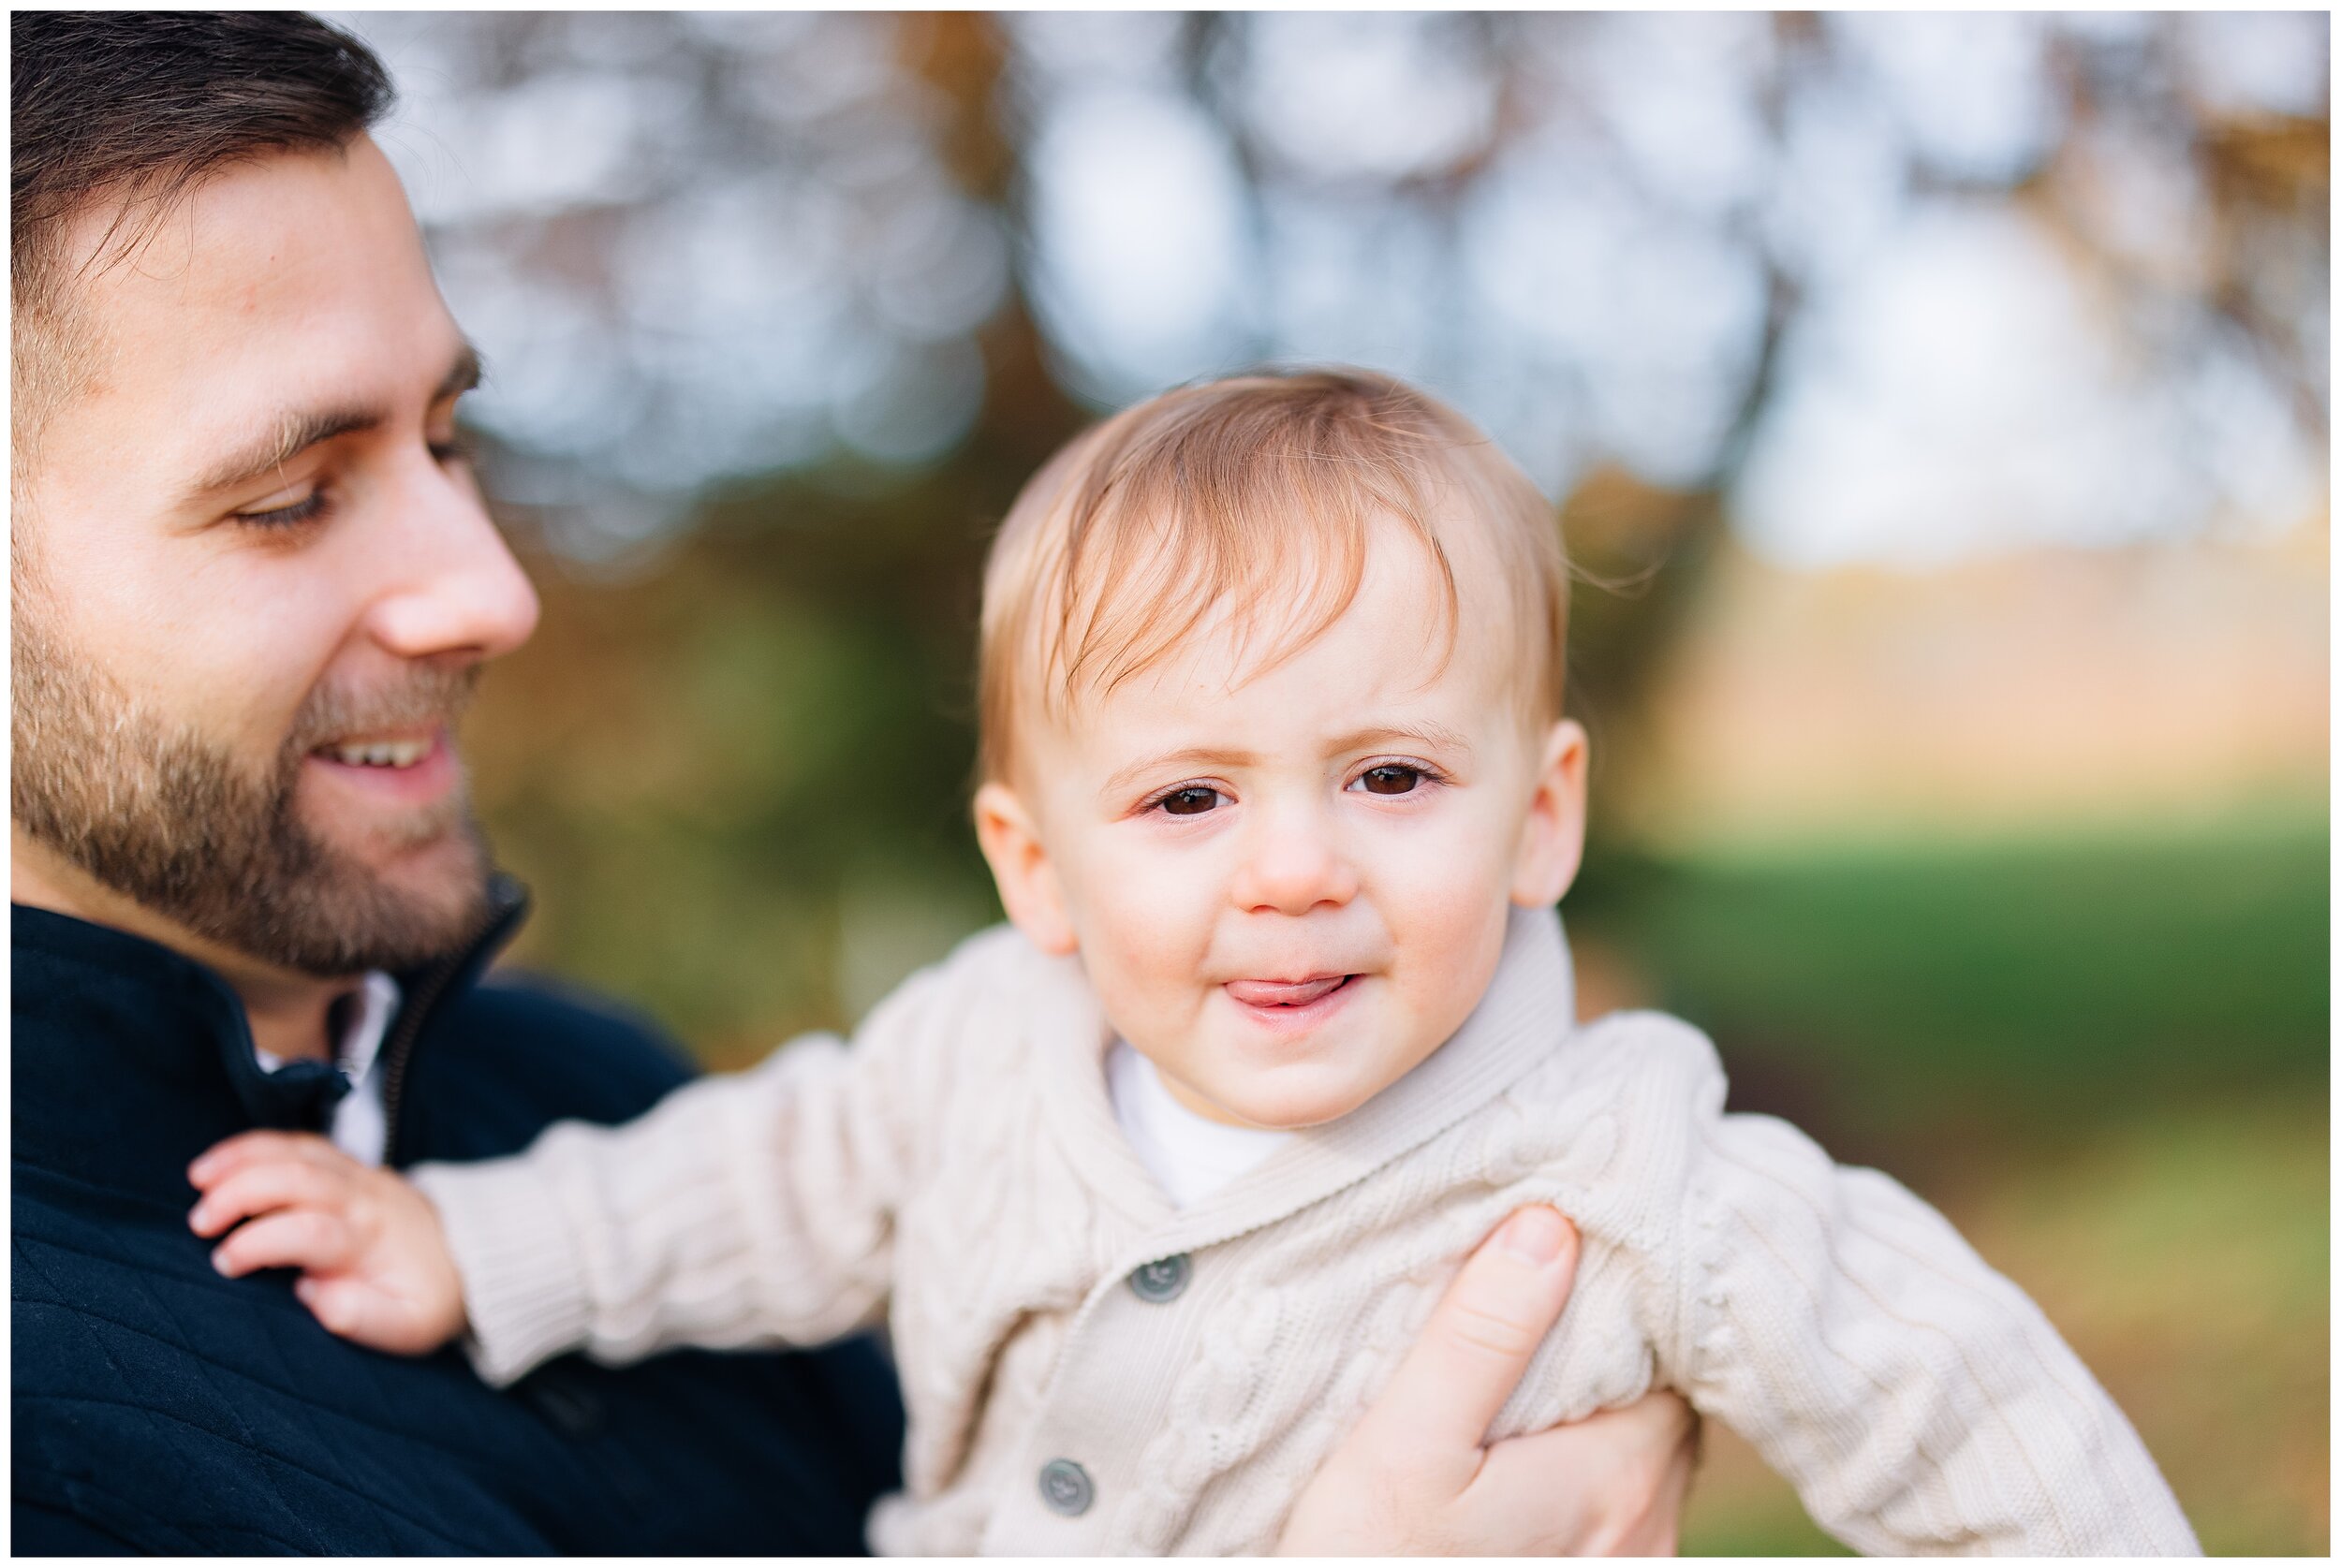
{"type": "Point", "coordinates": [1292, 871]}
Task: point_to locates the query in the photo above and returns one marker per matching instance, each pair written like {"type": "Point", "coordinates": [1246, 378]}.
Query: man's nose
{"type": "Point", "coordinates": [1291, 865]}
{"type": "Point", "coordinates": [458, 589]}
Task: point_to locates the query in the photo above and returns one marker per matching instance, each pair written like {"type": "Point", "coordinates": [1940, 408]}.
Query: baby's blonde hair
{"type": "Point", "coordinates": [1255, 495]}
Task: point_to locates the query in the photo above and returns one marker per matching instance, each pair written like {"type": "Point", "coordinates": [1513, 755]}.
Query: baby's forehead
{"type": "Point", "coordinates": [1426, 627]}
{"type": "Point", "coordinates": [1226, 529]}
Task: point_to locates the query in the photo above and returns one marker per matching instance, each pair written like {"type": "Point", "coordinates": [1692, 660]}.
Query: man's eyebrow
{"type": "Point", "coordinates": [296, 433]}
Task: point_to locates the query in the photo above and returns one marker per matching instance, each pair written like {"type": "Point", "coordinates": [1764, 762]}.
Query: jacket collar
{"type": "Point", "coordinates": [1529, 1008]}
{"type": "Point", "coordinates": [299, 1096]}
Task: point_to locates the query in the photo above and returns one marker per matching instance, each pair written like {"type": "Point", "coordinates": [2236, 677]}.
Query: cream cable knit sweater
{"type": "Point", "coordinates": [1089, 1369]}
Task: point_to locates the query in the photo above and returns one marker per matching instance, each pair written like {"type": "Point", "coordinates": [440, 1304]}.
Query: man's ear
{"type": "Point", "coordinates": [1021, 869]}
{"type": "Point", "coordinates": [1553, 840]}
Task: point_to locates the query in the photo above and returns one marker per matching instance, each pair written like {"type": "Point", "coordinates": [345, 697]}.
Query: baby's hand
{"type": "Point", "coordinates": [373, 1263]}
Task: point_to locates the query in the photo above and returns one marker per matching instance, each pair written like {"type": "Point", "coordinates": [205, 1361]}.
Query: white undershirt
{"type": "Point", "coordinates": [361, 1126]}
{"type": "Point", "coordinates": [1191, 1155]}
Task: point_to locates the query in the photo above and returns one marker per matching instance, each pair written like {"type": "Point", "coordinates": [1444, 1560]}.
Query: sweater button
{"type": "Point", "coordinates": [1161, 1279]}
{"type": "Point", "coordinates": [1064, 1487]}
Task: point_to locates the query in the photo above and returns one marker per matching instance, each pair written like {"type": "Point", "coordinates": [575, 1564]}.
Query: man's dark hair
{"type": "Point", "coordinates": [136, 108]}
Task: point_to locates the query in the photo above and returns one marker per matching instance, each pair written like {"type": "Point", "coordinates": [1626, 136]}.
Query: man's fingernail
{"type": "Point", "coordinates": [219, 1260]}
{"type": "Point", "coordinates": [199, 1217]}
{"type": "Point", "coordinates": [1534, 1236]}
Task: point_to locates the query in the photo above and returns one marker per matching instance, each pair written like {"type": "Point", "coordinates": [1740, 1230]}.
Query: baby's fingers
{"type": "Point", "coordinates": [357, 1310]}
{"type": "Point", "coordinates": [230, 1155]}
{"type": "Point", "coordinates": [257, 1188]}
{"type": "Point", "coordinates": [303, 1239]}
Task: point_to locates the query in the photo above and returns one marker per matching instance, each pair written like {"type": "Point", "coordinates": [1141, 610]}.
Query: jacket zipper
{"type": "Point", "coordinates": [425, 989]}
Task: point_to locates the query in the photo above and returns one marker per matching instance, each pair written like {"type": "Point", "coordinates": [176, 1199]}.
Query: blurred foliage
{"type": "Point", "coordinates": [701, 246]}
{"type": "Point", "coordinates": [766, 741]}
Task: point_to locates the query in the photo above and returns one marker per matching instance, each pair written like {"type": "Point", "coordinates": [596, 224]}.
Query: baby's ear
{"type": "Point", "coordinates": [1553, 840]}
{"type": "Point", "coordinates": [1021, 869]}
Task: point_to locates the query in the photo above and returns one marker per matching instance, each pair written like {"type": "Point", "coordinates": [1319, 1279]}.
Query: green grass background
{"type": "Point", "coordinates": [2104, 1055]}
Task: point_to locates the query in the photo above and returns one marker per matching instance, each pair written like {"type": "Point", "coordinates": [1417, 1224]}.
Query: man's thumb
{"type": "Point", "coordinates": [1481, 1334]}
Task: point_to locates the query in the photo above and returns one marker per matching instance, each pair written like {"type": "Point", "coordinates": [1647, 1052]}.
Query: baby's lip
{"type": "Point", "coordinates": [1283, 993]}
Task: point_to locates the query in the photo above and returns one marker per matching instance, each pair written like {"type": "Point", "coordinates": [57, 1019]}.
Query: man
{"type": "Point", "coordinates": [252, 585]}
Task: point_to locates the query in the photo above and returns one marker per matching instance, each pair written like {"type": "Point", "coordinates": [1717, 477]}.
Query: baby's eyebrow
{"type": "Point", "coordinates": [1439, 738]}
{"type": "Point", "coordinates": [1193, 756]}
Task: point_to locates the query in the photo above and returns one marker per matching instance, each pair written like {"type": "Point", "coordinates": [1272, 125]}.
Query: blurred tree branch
{"type": "Point", "coordinates": [766, 218]}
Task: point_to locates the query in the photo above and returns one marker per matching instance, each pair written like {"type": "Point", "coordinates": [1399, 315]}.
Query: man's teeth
{"type": "Point", "coordinates": [382, 754]}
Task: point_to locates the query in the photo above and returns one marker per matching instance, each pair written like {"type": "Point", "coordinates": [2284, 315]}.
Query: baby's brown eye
{"type": "Point", "coordinates": [1392, 780]}
{"type": "Point", "coordinates": [1190, 801]}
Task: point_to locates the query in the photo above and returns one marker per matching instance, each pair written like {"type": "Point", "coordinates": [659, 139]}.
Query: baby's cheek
{"type": "Point", "coordinates": [1449, 929]}
{"type": "Point", "coordinates": [1143, 948]}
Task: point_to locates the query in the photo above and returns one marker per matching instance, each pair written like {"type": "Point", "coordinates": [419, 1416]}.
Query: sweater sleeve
{"type": "Point", "coordinates": [1919, 1400]}
{"type": "Point", "coordinates": [745, 1208]}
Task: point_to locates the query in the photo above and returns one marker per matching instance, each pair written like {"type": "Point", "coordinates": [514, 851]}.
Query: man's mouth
{"type": "Point", "coordinates": [1286, 994]}
{"type": "Point", "coordinates": [403, 752]}
{"type": "Point", "coordinates": [398, 770]}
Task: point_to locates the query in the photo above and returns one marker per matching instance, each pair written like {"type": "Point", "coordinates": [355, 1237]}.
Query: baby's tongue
{"type": "Point", "coordinates": [1282, 993]}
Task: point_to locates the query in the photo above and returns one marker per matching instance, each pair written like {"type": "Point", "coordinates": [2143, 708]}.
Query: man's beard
{"type": "Point", "coordinates": [165, 816]}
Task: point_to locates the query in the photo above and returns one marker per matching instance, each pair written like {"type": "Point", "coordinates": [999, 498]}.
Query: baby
{"type": "Point", "coordinates": [1154, 1186]}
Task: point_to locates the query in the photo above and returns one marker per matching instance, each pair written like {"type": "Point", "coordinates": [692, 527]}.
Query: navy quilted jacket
{"type": "Point", "coordinates": [160, 1408]}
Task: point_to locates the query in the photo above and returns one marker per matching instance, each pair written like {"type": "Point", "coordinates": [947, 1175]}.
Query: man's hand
{"type": "Point", "coordinates": [1416, 1478]}
{"type": "Point", "coordinates": [373, 1262]}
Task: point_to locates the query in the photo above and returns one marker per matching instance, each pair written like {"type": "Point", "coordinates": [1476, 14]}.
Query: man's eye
{"type": "Point", "coordinates": [1193, 800]}
{"type": "Point", "coordinates": [292, 515]}
{"type": "Point", "coordinates": [1389, 779]}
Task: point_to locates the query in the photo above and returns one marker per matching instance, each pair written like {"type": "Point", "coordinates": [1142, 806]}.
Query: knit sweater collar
{"type": "Point", "coordinates": [1529, 1005]}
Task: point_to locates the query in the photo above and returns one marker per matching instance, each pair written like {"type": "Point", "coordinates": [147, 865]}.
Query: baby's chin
{"type": "Point", "coordinates": [1295, 1094]}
